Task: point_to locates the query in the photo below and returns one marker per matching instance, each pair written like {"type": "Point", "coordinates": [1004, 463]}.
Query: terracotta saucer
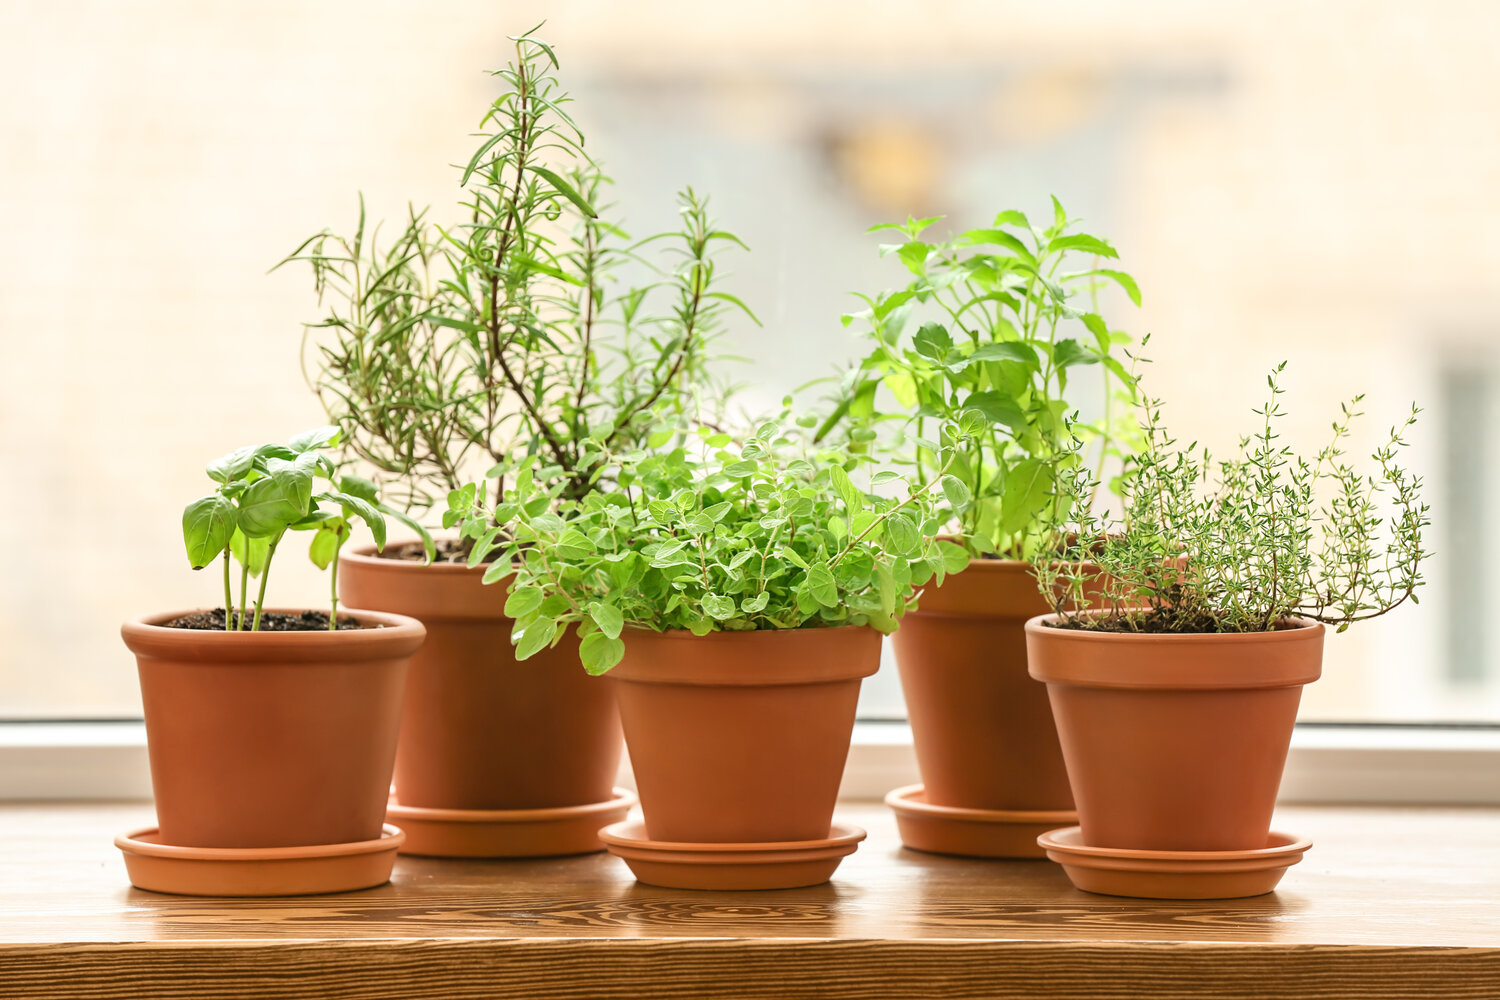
{"type": "Point", "coordinates": [1117, 871]}
{"type": "Point", "coordinates": [258, 871]}
{"type": "Point", "coordinates": [785, 865]}
{"type": "Point", "coordinates": [507, 833]}
{"type": "Point", "coordinates": [974, 833]}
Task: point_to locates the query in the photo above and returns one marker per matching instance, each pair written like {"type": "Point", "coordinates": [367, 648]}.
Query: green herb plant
{"type": "Point", "coordinates": [767, 532]}
{"type": "Point", "coordinates": [264, 492]}
{"type": "Point", "coordinates": [459, 347]}
{"type": "Point", "coordinates": [1244, 544]}
{"type": "Point", "coordinates": [985, 337]}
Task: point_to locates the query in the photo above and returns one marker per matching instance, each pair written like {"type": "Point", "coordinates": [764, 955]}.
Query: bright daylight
{"type": "Point", "coordinates": [863, 501]}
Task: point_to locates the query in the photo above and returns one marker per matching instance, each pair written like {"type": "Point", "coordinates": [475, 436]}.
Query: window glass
{"type": "Point", "coordinates": [1320, 189]}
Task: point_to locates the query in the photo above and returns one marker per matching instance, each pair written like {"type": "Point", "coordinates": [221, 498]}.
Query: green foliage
{"type": "Point", "coordinates": [264, 492]}
{"type": "Point", "coordinates": [985, 338]}
{"type": "Point", "coordinates": [503, 335]}
{"type": "Point", "coordinates": [1243, 544]}
{"type": "Point", "coordinates": [767, 532]}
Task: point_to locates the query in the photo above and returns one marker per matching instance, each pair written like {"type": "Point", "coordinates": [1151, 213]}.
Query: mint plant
{"type": "Point", "coordinates": [460, 346]}
{"type": "Point", "coordinates": [986, 335]}
{"type": "Point", "coordinates": [1243, 544]}
{"type": "Point", "coordinates": [263, 492]}
{"type": "Point", "coordinates": [767, 532]}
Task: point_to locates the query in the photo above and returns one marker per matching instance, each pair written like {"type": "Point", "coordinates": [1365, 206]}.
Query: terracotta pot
{"type": "Point", "coordinates": [741, 737]}
{"type": "Point", "coordinates": [1175, 742]}
{"type": "Point", "coordinates": [271, 739]}
{"type": "Point", "coordinates": [481, 730]}
{"type": "Point", "coordinates": [981, 726]}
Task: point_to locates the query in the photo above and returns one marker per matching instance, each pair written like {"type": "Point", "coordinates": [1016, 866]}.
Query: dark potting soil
{"type": "Point", "coordinates": [270, 621]}
{"type": "Point", "coordinates": [449, 550]}
{"type": "Point", "coordinates": [1157, 623]}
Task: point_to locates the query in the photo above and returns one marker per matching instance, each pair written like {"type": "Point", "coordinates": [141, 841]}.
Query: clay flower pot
{"type": "Point", "coordinates": [1175, 742]}
{"type": "Point", "coordinates": [981, 727]}
{"type": "Point", "coordinates": [741, 737]}
{"type": "Point", "coordinates": [482, 731]}
{"type": "Point", "coordinates": [271, 739]}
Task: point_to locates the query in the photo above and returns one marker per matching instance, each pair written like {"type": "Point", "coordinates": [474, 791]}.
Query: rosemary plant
{"type": "Point", "coordinates": [456, 348]}
{"type": "Point", "coordinates": [1244, 544]}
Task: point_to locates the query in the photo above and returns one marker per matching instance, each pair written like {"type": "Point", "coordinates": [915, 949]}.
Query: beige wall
{"type": "Point", "coordinates": [1312, 181]}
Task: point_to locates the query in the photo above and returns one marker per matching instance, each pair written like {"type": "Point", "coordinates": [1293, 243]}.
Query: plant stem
{"type": "Point", "coordinates": [333, 587]}
{"type": "Point", "coordinates": [265, 574]}
{"type": "Point", "coordinates": [244, 586]}
{"type": "Point", "coordinates": [228, 595]}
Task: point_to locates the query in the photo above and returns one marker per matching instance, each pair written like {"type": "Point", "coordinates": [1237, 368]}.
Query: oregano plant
{"type": "Point", "coordinates": [262, 493]}
{"type": "Point", "coordinates": [987, 337]}
{"type": "Point", "coordinates": [766, 531]}
{"type": "Point", "coordinates": [1242, 544]}
{"type": "Point", "coordinates": [505, 333]}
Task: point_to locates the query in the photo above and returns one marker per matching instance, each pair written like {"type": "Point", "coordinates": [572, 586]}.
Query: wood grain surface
{"type": "Point", "coordinates": [1389, 903]}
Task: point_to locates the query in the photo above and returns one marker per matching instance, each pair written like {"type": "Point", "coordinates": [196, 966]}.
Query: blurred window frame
{"type": "Point", "coordinates": [1328, 763]}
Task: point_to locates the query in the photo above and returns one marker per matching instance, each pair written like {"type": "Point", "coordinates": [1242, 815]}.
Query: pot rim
{"type": "Point", "coordinates": [1192, 661]}
{"type": "Point", "coordinates": [365, 555]}
{"type": "Point", "coordinates": [1306, 627]}
{"type": "Point", "coordinates": [400, 635]}
{"type": "Point", "coordinates": [752, 658]}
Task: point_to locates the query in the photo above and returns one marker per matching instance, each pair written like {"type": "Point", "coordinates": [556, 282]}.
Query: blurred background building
{"type": "Point", "coordinates": [1313, 182]}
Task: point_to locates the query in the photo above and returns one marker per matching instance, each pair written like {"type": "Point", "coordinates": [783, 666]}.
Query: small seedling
{"type": "Point", "coordinates": [263, 492]}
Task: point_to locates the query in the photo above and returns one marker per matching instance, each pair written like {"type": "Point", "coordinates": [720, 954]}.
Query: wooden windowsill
{"type": "Point", "coordinates": [1390, 902]}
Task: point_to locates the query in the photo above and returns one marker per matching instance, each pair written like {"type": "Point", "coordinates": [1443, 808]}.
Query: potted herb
{"type": "Point", "coordinates": [270, 729]}
{"type": "Point", "coordinates": [736, 593]}
{"type": "Point", "coordinates": [461, 347]}
{"type": "Point", "coordinates": [993, 330]}
{"type": "Point", "coordinates": [1176, 688]}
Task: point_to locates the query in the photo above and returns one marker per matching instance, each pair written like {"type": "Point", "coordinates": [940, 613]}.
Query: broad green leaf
{"type": "Point", "coordinates": [1006, 350]}
{"type": "Point", "coordinates": [932, 341]}
{"type": "Point", "coordinates": [600, 652]}
{"type": "Point", "coordinates": [537, 636]}
{"type": "Point", "coordinates": [822, 586]}
{"type": "Point", "coordinates": [905, 538]}
{"type": "Point", "coordinates": [853, 496]}
{"type": "Point", "coordinates": [227, 468]}
{"type": "Point", "coordinates": [719, 607]}
{"type": "Point", "coordinates": [608, 618]}
{"type": "Point", "coordinates": [207, 525]}
{"type": "Point", "coordinates": [252, 553]}
{"type": "Point", "coordinates": [359, 486]}
{"type": "Point", "coordinates": [324, 547]}
{"type": "Point", "coordinates": [957, 493]}
{"type": "Point", "coordinates": [1028, 486]}
{"type": "Point", "coordinates": [955, 557]}
{"type": "Point", "coordinates": [318, 437]}
{"type": "Point", "coordinates": [268, 506]}
{"type": "Point", "coordinates": [997, 408]}
{"type": "Point", "coordinates": [522, 601]}
{"type": "Point", "coordinates": [1125, 281]}
{"type": "Point", "coordinates": [1087, 244]}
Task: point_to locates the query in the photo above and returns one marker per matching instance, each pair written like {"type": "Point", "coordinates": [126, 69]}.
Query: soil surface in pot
{"type": "Point", "coordinates": [270, 621]}
{"type": "Point", "coordinates": [1158, 623]}
{"type": "Point", "coordinates": [447, 550]}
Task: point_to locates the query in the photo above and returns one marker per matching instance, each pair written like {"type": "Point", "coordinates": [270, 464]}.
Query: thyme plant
{"type": "Point", "coordinates": [1244, 544]}
{"type": "Point", "coordinates": [263, 492]}
{"type": "Point", "coordinates": [987, 336]}
{"type": "Point", "coordinates": [502, 335]}
{"type": "Point", "coordinates": [768, 532]}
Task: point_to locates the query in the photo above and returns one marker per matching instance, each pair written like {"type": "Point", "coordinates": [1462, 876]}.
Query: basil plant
{"type": "Point", "coordinates": [990, 334]}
